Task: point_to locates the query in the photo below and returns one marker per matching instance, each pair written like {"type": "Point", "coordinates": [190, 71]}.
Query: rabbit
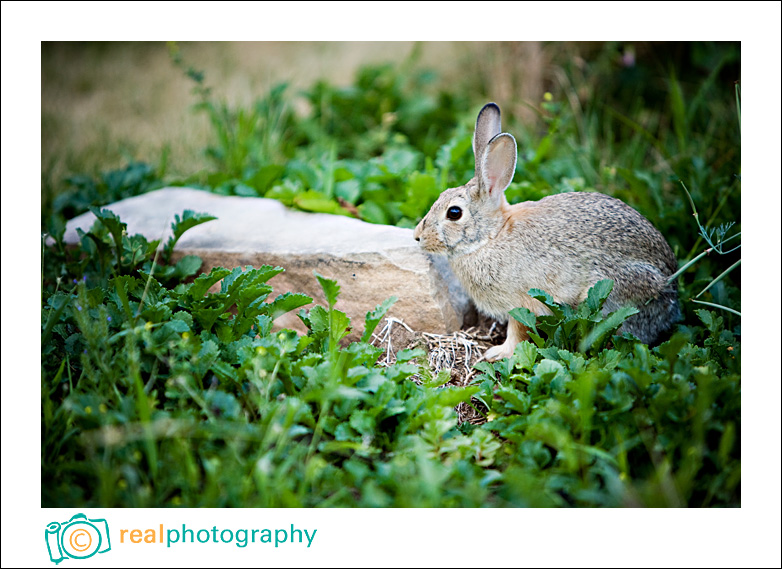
{"type": "Point", "coordinates": [562, 244]}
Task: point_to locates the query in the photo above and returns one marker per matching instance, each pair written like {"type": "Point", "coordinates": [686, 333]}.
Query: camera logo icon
{"type": "Point", "coordinates": [78, 538]}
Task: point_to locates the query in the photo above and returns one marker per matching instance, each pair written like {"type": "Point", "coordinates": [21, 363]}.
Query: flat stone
{"type": "Point", "coordinates": [370, 262]}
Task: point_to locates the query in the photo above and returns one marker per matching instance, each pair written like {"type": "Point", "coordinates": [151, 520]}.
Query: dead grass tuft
{"type": "Point", "coordinates": [455, 353]}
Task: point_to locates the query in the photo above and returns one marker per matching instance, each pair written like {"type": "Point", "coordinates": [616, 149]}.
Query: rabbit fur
{"type": "Point", "coordinates": [563, 244]}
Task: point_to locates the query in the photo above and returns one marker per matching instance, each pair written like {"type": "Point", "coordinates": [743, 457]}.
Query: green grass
{"type": "Point", "coordinates": [158, 393]}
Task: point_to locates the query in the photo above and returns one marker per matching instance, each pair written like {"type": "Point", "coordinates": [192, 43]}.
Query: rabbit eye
{"type": "Point", "coordinates": [454, 213]}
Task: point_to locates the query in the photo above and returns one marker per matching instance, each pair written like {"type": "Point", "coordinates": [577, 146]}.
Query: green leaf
{"type": "Point", "coordinates": [250, 295]}
{"type": "Point", "coordinates": [176, 325]}
{"type": "Point", "coordinates": [546, 299]}
{"type": "Point", "coordinates": [263, 273]}
{"type": "Point", "coordinates": [112, 222]}
{"type": "Point", "coordinates": [305, 173]}
{"type": "Point", "coordinates": [539, 342]}
{"type": "Point", "coordinates": [58, 303]}
{"type": "Point", "coordinates": [549, 369]}
{"type": "Point", "coordinates": [157, 312]}
{"type": "Point", "coordinates": [421, 192]}
{"type": "Point", "coordinates": [598, 293]}
{"type": "Point", "coordinates": [486, 368]}
{"type": "Point", "coordinates": [206, 317]}
{"type": "Point", "coordinates": [373, 213]}
{"type": "Point", "coordinates": [727, 442]}
{"type": "Point", "coordinates": [407, 355]}
{"type": "Point", "coordinates": [374, 317]}
{"type": "Point", "coordinates": [449, 153]}
{"type": "Point", "coordinates": [287, 302]}
{"type": "Point", "coordinates": [348, 190]}
{"type": "Point", "coordinates": [442, 377]}
{"type": "Point", "coordinates": [318, 318]}
{"type": "Point", "coordinates": [330, 289]}
{"type": "Point", "coordinates": [524, 356]}
{"type": "Point", "coordinates": [209, 352]}
{"type": "Point", "coordinates": [185, 317]}
{"type": "Point", "coordinates": [362, 422]}
{"type": "Point", "coordinates": [204, 282]}
{"type": "Point", "coordinates": [115, 227]}
{"type": "Point", "coordinates": [609, 359]}
{"type": "Point", "coordinates": [452, 396]}
{"type": "Point", "coordinates": [264, 324]}
{"type": "Point", "coordinates": [606, 327]}
{"type": "Point", "coordinates": [285, 192]}
{"type": "Point", "coordinates": [187, 266]}
{"type": "Point", "coordinates": [525, 316]}
{"type": "Point", "coordinates": [245, 191]}
{"type": "Point", "coordinates": [236, 279]}
{"type": "Point", "coordinates": [319, 203]}
{"type": "Point", "coordinates": [222, 405]}
{"type": "Point", "coordinates": [265, 177]}
{"type": "Point", "coordinates": [551, 352]}
{"type": "Point", "coordinates": [339, 323]}
{"type": "Point", "coordinates": [576, 363]}
{"type": "Point", "coordinates": [123, 285]}
{"type": "Point", "coordinates": [670, 349]}
{"type": "Point", "coordinates": [678, 110]}
{"type": "Point", "coordinates": [188, 220]}
{"type": "Point", "coordinates": [514, 399]}
{"type": "Point", "coordinates": [710, 320]}
{"type": "Point", "coordinates": [400, 160]}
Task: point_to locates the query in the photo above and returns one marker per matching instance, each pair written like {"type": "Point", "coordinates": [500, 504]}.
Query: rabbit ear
{"type": "Point", "coordinates": [486, 127]}
{"type": "Point", "coordinates": [498, 164]}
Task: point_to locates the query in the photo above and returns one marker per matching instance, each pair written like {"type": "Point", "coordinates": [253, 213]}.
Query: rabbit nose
{"type": "Point", "coordinates": [418, 230]}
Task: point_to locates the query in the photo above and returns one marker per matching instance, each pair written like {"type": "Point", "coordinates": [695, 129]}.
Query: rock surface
{"type": "Point", "coordinates": [370, 262]}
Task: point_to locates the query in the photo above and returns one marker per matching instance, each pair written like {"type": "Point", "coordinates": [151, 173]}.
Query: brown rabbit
{"type": "Point", "coordinates": [563, 244]}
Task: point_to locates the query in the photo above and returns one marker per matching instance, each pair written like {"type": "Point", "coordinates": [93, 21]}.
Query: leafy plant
{"type": "Point", "coordinates": [181, 394]}
{"type": "Point", "coordinates": [80, 192]}
{"type": "Point", "coordinates": [623, 426]}
{"type": "Point", "coordinates": [583, 328]}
